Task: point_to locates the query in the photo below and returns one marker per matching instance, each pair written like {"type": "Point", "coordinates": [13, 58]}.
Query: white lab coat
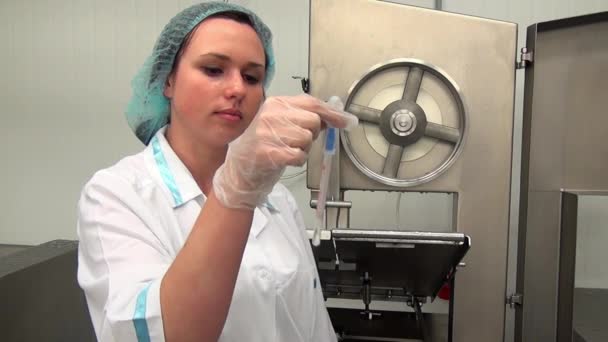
{"type": "Point", "coordinates": [135, 216]}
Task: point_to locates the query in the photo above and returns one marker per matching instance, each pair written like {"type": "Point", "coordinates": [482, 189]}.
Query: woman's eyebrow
{"type": "Point", "coordinates": [227, 58]}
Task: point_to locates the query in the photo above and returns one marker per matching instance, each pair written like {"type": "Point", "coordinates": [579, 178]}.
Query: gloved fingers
{"type": "Point", "coordinates": [279, 117]}
{"type": "Point", "coordinates": [272, 158]}
{"type": "Point", "coordinates": [289, 150]}
{"type": "Point", "coordinates": [270, 151]}
{"type": "Point", "coordinates": [294, 127]}
{"type": "Point", "coordinates": [334, 117]}
{"type": "Point", "coordinates": [297, 157]}
{"type": "Point", "coordinates": [297, 137]}
{"type": "Point", "coordinates": [306, 120]}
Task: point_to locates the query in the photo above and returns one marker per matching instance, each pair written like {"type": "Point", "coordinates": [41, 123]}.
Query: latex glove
{"type": "Point", "coordinates": [280, 135]}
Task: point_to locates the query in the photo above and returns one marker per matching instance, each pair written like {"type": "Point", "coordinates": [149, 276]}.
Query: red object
{"type": "Point", "coordinates": [444, 292]}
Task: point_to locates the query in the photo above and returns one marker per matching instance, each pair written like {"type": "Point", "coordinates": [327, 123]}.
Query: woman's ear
{"type": "Point", "coordinates": [168, 91]}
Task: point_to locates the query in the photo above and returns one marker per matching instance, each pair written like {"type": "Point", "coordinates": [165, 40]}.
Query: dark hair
{"type": "Point", "coordinates": [239, 17]}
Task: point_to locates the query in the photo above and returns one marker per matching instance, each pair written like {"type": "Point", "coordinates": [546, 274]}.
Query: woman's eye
{"type": "Point", "coordinates": [251, 79]}
{"type": "Point", "coordinates": [212, 71]}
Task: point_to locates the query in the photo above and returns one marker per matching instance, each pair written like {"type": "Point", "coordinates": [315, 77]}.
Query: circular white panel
{"type": "Point", "coordinates": [425, 159]}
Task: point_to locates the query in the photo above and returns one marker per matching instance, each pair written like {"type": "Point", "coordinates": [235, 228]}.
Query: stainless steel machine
{"type": "Point", "coordinates": [434, 92]}
{"type": "Point", "coordinates": [41, 299]}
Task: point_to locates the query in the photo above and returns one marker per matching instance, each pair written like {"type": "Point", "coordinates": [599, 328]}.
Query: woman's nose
{"type": "Point", "coordinates": [235, 87]}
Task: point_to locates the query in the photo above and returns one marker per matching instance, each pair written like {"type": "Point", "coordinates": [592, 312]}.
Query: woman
{"type": "Point", "coordinates": [190, 239]}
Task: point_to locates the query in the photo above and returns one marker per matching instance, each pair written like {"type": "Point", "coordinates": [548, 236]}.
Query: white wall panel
{"type": "Point", "coordinates": [66, 80]}
{"type": "Point", "coordinates": [592, 242]}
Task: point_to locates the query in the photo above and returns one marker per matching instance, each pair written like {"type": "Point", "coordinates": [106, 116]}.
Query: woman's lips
{"type": "Point", "coordinates": [230, 114]}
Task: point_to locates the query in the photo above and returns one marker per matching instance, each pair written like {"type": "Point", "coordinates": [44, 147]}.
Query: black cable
{"type": "Point", "coordinates": [419, 318]}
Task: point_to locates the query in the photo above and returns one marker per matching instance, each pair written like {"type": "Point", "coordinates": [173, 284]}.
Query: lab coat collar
{"type": "Point", "coordinates": [176, 178]}
{"type": "Point", "coordinates": [260, 219]}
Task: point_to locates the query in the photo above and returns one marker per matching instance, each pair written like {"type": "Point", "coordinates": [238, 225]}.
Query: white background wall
{"type": "Point", "coordinates": [591, 243]}
{"type": "Point", "coordinates": [65, 83]}
{"type": "Point", "coordinates": [65, 70]}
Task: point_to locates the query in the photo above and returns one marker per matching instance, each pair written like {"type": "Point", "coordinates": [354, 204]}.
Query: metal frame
{"type": "Point", "coordinates": [567, 263]}
{"type": "Point", "coordinates": [429, 260]}
{"type": "Point", "coordinates": [563, 156]}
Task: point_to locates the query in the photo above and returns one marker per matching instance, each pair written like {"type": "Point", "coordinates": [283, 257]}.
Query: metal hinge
{"type": "Point", "coordinates": [304, 82]}
{"type": "Point", "coordinates": [526, 58]}
{"type": "Point", "coordinates": [515, 300]}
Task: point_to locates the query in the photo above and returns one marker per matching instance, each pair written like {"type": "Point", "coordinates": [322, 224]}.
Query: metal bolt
{"type": "Point", "coordinates": [403, 122]}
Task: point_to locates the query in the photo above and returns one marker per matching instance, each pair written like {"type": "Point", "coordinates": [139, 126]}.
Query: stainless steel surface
{"type": "Point", "coordinates": [365, 113]}
{"type": "Point", "coordinates": [332, 204]}
{"type": "Point", "coordinates": [412, 84]}
{"type": "Point", "coordinates": [393, 159]}
{"type": "Point", "coordinates": [539, 286]}
{"type": "Point", "coordinates": [417, 262]}
{"type": "Point", "coordinates": [564, 128]}
{"type": "Point", "coordinates": [480, 174]}
{"type": "Point", "coordinates": [366, 271]}
{"type": "Point", "coordinates": [568, 107]}
{"type": "Point", "coordinates": [10, 249]}
{"type": "Point", "coordinates": [351, 327]}
{"type": "Point", "coordinates": [548, 305]}
{"type": "Point", "coordinates": [590, 314]}
{"type": "Point", "coordinates": [389, 123]}
{"type": "Point", "coordinates": [442, 132]}
{"type": "Point", "coordinates": [399, 235]}
{"type": "Point", "coordinates": [567, 263]}
{"type": "Point", "coordinates": [41, 299]}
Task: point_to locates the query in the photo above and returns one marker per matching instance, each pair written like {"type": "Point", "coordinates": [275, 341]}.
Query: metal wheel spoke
{"type": "Point", "coordinates": [442, 132]}
{"type": "Point", "coordinates": [393, 159]}
{"type": "Point", "coordinates": [412, 84]}
{"type": "Point", "coordinates": [365, 113]}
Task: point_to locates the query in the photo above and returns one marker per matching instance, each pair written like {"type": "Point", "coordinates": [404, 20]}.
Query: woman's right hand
{"type": "Point", "coordinates": [280, 135]}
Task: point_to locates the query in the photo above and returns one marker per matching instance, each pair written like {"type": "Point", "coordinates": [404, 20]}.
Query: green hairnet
{"type": "Point", "coordinates": [148, 110]}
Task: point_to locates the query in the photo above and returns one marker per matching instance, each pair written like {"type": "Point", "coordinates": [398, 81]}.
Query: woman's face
{"type": "Point", "coordinates": [217, 86]}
